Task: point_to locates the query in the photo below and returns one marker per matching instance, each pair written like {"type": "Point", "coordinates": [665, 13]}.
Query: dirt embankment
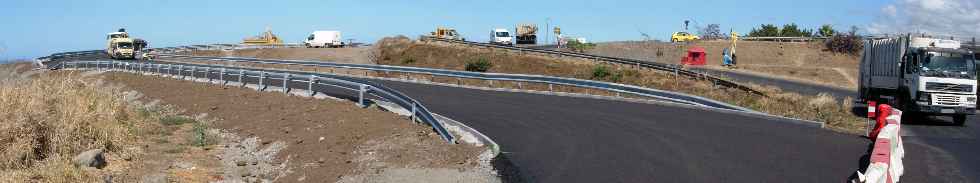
{"type": "Point", "coordinates": [322, 140]}
{"type": "Point", "coordinates": [791, 60]}
{"type": "Point", "coordinates": [358, 55]}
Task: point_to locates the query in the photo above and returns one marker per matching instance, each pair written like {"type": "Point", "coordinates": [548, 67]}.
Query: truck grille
{"type": "Point", "coordinates": [948, 87]}
{"type": "Point", "coordinates": [947, 100]}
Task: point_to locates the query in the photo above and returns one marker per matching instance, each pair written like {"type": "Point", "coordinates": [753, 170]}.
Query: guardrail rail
{"type": "Point", "coordinates": [264, 78]}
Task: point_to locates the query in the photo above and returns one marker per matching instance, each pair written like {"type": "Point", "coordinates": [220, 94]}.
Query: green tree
{"type": "Point", "coordinates": [766, 30]}
{"type": "Point", "coordinates": [791, 30]}
{"type": "Point", "coordinates": [827, 30]}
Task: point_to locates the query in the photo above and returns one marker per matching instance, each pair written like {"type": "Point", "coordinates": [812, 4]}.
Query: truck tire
{"type": "Point", "coordinates": [959, 119]}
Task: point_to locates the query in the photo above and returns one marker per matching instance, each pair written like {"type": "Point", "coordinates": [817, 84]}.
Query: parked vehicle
{"type": "Point", "coordinates": [501, 37]}
{"type": "Point", "coordinates": [324, 39]}
{"type": "Point", "coordinates": [683, 37]}
{"type": "Point", "coordinates": [526, 34]}
{"type": "Point", "coordinates": [921, 76]}
{"type": "Point", "coordinates": [119, 45]}
{"type": "Point", "coordinates": [446, 33]}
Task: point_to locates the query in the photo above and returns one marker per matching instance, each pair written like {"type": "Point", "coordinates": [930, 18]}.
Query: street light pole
{"type": "Point", "coordinates": [547, 28]}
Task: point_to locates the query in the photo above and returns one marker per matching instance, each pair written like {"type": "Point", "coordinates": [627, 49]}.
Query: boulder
{"type": "Point", "coordinates": [91, 158]}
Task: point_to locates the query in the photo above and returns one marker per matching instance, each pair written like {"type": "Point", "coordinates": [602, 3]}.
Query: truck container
{"type": "Point", "coordinates": [526, 34]}
{"type": "Point", "coordinates": [324, 39]}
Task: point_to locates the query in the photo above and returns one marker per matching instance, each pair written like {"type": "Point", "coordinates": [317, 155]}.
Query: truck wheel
{"type": "Point", "coordinates": [959, 119]}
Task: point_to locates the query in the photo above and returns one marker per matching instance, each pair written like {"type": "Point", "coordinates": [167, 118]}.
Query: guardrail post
{"type": "Point", "coordinates": [180, 71]}
{"type": "Point", "coordinates": [221, 76]}
{"type": "Point", "coordinates": [551, 87]}
{"type": "Point", "coordinates": [241, 74]}
{"type": "Point", "coordinates": [207, 73]}
{"type": "Point", "coordinates": [159, 69]}
{"type": "Point", "coordinates": [285, 86]}
{"type": "Point", "coordinates": [309, 89]}
{"type": "Point", "coordinates": [414, 111]}
{"type": "Point", "coordinates": [261, 82]}
{"type": "Point", "coordinates": [491, 83]}
{"type": "Point", "coordinates": [459, 81]}
{"type": "Point", "coordinates": [519, 85]}
{"type": "Point", "coordinates": [360, 98]}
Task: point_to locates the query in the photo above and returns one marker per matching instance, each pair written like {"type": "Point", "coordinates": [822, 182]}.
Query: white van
{"type": "Point", "coordinates": [501, 37]}
{"type": "Point", "coordinates": [324, 39]}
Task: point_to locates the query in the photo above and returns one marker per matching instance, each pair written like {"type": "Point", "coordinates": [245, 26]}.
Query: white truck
{"type": "Point", "coordinates": [921, 76]}
{"type": "Point", "coordinates": [501, 37]}
{"type": "Point", "coordinates": [324, 39]}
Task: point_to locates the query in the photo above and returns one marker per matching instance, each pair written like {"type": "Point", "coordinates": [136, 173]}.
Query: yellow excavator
{"type": "Point", "coordinates": [266, 38]}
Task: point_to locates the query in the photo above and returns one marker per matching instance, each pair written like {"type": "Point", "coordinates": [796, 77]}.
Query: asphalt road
{"type": "Point", "coordinates": [565, 139]}
{"type": "Point", "coordinates": [935, 150]}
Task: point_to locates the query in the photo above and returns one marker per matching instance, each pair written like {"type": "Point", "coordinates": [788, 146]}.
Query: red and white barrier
{"type": "Point", "coordinates": [887, 153]}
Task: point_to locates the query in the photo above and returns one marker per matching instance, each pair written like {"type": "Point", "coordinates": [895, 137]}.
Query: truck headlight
{"type": "Point", "coordinates": [971, 99]}
{"type": "Point", "coordinates": [924, 97]}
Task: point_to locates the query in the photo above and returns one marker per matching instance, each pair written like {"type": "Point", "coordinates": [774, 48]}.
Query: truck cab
{"type": "Point", "coordinates": [501, 37]}
{"type": "Point", "coordinates": [941, 81]}
{"type": "Point", "coordinates": [120, 46]}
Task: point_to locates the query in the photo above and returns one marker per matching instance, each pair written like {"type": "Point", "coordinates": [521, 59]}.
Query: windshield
{"type": "Point", "coordinates": [949, 65]}
{"type": "Point", "coordinates": [503, 34]}
{"type": "Point", "coordinates": [124, 45]}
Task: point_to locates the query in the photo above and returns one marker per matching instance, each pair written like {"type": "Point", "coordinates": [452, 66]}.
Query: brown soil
{"type": "Point", "coordinates": [798, 60]}
{"type": "Point", "coordinates": [341, 55]}
{"type": "Point", "coordinates": [323, 137]}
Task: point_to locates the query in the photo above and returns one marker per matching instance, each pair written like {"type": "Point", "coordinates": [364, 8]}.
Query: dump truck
{"type": "Point", "coordinates": [501, 37]}
{"type": "Point", "coordinates": [119, 45]}
{"type": "Point", "coordinates": [920, 75]}
{"type": "Point", "coordinates": [266, 37]}
{"type": "Point", "coordinates": [324, 39]}
{"type": "Point", "coordinates": [526, 34]}
{"type": "Point", "coordinates": [446, 33]}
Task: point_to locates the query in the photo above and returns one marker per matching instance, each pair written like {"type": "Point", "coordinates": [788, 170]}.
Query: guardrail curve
{"type": "Point", "coordinates": [263, 78]}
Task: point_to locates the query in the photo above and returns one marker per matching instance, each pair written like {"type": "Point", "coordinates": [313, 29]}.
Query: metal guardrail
{"type": "Point", "coordinates": [264, 78]}
{"type": "Point", "coordinates": [550, 80]}
{"type": "Point", "coordinates": [676, 69]}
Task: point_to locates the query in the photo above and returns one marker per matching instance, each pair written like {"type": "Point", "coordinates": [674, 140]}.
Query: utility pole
{"type": "Point", "coordinates": [547, 26]}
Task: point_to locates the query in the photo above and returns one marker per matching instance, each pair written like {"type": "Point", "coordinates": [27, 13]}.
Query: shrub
{"type": "Point", "coordinates": [579, 46]}
{"type": "Point", "coordinates": [200, 135]}
{"type": "Point", "coordinates": [847, 44]}
{"type": "Point", "coordinates": [601, 72]}
{"type": "Point", "coordinates": [481, 64]}
{"type": "Point", "coordinates": [408, 60]}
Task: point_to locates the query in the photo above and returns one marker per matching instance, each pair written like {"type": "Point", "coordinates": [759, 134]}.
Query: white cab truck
{"type": "Point", "coordinates": [119, 45]}
{"type": "Point", "coordinates": [324, 39]}
{"type": "Point", "coordinates": [501, 37]}
{"type": "Point", "coordinates": [921, 76]}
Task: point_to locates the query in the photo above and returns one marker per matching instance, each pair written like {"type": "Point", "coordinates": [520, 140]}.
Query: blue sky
{"type": "Point", "coordinates": [34, 28]}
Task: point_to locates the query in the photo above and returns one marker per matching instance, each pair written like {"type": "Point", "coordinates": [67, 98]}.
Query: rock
{"type": "Point", "coordinates": [214, 108]}
{"type": "Point", "coordinates": [90, 158]}
{"type": "Point", "coordinates": [241, 163]}
{"type": "Point", "coordinates": [182, 165]}
{"type": "Point", "coordinates": [321, 160]}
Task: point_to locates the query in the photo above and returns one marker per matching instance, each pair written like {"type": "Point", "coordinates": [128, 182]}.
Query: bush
{"type": "Point", "coordinates": [481, 64]}
{"type": "Point", "coordinates": [579, 46]}
{"type": "Point", "coordinates": [847, 44]}
{"type": "Point", "coordinates": [201, 135]}
{"type": "Point", "coordinates": [603, 73]}
{"type": "Point", "coordinates": [408, 60]}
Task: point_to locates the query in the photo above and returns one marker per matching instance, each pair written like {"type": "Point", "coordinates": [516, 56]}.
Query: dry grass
{"type": "Point", "coordinates": [395, 51]}
{"type": "Point", "coordinates": [49, 118]}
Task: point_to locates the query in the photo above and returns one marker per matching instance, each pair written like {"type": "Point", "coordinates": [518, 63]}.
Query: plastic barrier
{"type": "Point", "coordinates": [887, 153]}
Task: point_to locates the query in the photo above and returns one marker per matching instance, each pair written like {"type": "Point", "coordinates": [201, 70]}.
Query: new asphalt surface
{"type": "Point", "coordinates": [566, 139]}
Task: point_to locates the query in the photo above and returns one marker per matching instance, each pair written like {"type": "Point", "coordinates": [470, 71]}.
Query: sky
{"type": "Point", "coordinates": [33, 28]}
